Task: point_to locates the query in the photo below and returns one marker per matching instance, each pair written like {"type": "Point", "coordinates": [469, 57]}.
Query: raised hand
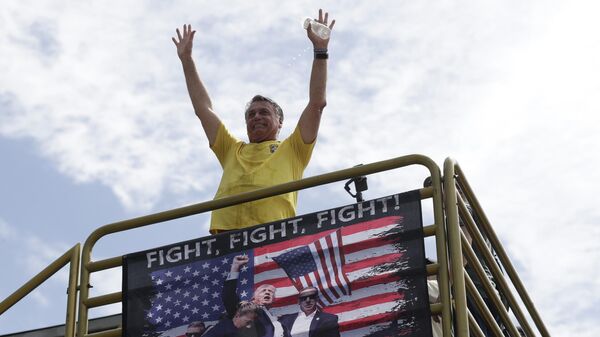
{"type": "Point", "coordinates": [239, 261]}
{"type": "Point", "coordinates": [184, 43]}
{"type": "Point", "coordinates": [314, 38]}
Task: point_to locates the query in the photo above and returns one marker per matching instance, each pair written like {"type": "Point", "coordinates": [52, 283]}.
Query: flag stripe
{"type": "Point", "coordinates": [278, 278]}
{"type": "Point", "coordinates": [326, 293]}
{"type": "Point", "coordinates": [338, 262]}
{"type": "Point", "coordinates": [373, 242]}
{"type": "Point", "coordinates": [305, 240]}
{"type": "Point", "coordinates": [319, 254]}
{"type": "Point", "coordinates": [268, 267]}
{"type": "Point", "coordinates": [372, 261]}
{"type": "Point", "coordinates": [361, 288]}
{"type": "Point", "coordinates": [373, 280]}
{"type": "Point", "coordinates": [359, 294]}
{"type": "Point", "coordinates": [267, 253]}
{"type": "Point", "coordinates": [358, 280]}
{"type": "Point", "coordinates": [369, 318]}
{"type": "Point", "coordinates": [324, 286]}
{"type": "Point", "coordinates": [327, 257]}
{"type": "Point", "coordinates": [367, 301]}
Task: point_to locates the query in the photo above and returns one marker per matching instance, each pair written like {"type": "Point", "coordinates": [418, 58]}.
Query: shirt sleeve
{"type": "Point", "coordinates": [224, 142]}
{"type": "Point", "coordinates": [302, 150]}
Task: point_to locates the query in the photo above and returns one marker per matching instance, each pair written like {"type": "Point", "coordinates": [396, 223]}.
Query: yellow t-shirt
{"type": "Point", "coordinates": [248, 167]}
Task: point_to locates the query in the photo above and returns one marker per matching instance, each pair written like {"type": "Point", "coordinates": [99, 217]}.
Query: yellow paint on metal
{"type": "Point", "coordinates": [71, 257]}
{"type": "Point", "coordinates": [448, 208]}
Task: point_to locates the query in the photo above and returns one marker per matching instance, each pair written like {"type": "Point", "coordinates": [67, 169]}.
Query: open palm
{"type": "Point", "coordinates": [184, 43]}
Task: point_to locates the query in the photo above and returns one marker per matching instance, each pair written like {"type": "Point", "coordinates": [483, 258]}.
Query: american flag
{"type": "Point", "coordinates": [378, 294]}
{"type": "Point", "coordinates": [192, 292]}
{"type": "Point", "coordinates": [380, 262]}
{"type": "Point", "coordinates": [318, 264]}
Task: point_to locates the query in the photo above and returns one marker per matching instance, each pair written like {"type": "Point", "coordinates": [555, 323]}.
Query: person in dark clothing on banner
{"type": "Point", "coordinates": [241, 325]}
{"type": "Point", "coordinates": [266, 324]}
{"type": "Point", "coordinates": [195, 329]}
{"type": "Point", "coordinates": [310, 320]}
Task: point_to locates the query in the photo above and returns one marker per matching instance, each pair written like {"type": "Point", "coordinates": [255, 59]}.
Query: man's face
{"type": "Point", "coordinates": [308, 301]}
{"type": "Point", "coordinates": [195, 331]}
{"type": "Point", "coordinates": [264, 295]}
{"type": "Point", "coordinates": [262, 122]}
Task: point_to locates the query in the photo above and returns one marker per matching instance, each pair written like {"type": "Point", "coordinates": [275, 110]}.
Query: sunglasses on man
{"type": "Point", "coordinates": [308, 297]}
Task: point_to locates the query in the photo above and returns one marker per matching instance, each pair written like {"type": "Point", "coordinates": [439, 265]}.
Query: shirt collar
{"type": "Point", "coordinates": [301, 313]}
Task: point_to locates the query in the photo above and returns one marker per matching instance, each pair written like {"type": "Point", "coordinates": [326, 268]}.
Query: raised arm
{"type": "Point", "coordinates": [198, 94]}
{"type": "Point", "coordinates": [311, 116]}
{"type": "Point", "coordinates": [229, 295]}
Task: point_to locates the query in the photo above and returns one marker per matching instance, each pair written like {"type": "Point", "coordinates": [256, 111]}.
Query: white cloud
{"type": "Point", "coordinates": [24, 256]}
{"type": "Point", "coordinates": [537, 148]}
{"type": "Point", "coordinates": [40, 253]}
{"type": "Point", "coordinates": [7, 232]}
{"type": "Point", "coordinates": [97, 103]}
{"type": "Point", "coordinates": [508, 88]}
{"type": "Point", "coordinates": [30, 252]}
{"type": "Point", "coordinates": [40, 298]}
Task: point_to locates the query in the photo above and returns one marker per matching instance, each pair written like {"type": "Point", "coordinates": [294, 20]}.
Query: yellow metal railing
{"type": "Point", "coordinates": [89, 266]}
{"type": "Point", "coordinates": [70, 257]}
{"type": "Point", "coordinates": [453, 249]}
{"type": "Point", "coordinates": [455, 202]}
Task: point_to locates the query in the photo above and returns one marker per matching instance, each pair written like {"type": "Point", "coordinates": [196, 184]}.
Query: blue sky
{"type": "Point", "coordinates": [96, 125]}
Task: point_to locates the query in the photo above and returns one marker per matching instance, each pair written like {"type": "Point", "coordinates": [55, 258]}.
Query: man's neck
{"type": "Point", "coordinates": [309, 313]}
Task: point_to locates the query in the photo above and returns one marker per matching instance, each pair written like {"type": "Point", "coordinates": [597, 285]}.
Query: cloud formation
{"type": "Point", "coordinates": [508, 88]}
{"type": "Point", "coordinates": [6, 231]}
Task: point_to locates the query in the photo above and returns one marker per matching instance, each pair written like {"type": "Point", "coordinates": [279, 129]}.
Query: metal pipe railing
{"type": "Point", "coordinates": [504, 259]}
{"type": "Point", "coordinates": [450, 246]}
{"type": "Point", "coordinates": [89, 266]}
{"type": "Point", "coordinates": [71, 257]}
{"type": "Point", "coordinates": [482, 307]}
{"type": "Point", "coordinates": [454, 246]}
{"type": "Point", "coordinates": [474, 327]}
{"type": "Point", "coordinates": [488, 288]}
{"type": "Point", "coordinates": [477, 237]}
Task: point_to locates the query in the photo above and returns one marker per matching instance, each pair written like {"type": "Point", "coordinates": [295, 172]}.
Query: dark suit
{"type": "Point", "coordinates": [264, 327]}
{"type": "Point", "coordinates": [225, 328]}
{"type": "Point", "coordinates": [322, 325]}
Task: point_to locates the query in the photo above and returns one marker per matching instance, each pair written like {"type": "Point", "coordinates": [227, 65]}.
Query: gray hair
{"type": "Point", "coordinates": [260, 98]}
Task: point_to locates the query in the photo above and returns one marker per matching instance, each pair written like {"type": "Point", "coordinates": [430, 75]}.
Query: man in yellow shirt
{"type": "Point", "coordinates": [264, 161]}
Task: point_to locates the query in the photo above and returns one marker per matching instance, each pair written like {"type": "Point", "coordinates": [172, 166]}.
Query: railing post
{"type": "Point", "coordinates": [504, 259]}
{"type": "Point", "coordinates": [88, 266]}
{"type": "Point", "coordinates": [72, 291]}
{"type": "Point", "coordinates": [454, 246]}
{"type": "Point", "coordinates": [70, 257]}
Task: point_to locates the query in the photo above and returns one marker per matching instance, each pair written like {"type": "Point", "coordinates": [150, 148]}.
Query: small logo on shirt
{"type": "Point", "coordinates": [273, 147]}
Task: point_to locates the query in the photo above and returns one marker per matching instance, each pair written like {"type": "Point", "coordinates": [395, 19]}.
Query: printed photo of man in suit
{"type": "Point", "coordinates": [310, 320]}
{"type": "Point", "coordinates": [266, 323]}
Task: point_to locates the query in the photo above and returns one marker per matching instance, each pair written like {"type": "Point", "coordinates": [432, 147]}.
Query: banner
{"type": "Point", "coordinates": [357, 270]}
